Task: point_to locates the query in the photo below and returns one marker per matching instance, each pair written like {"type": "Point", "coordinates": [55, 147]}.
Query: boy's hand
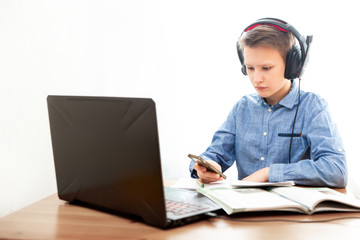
{"type": "Point", "coordinates": [208, 176]}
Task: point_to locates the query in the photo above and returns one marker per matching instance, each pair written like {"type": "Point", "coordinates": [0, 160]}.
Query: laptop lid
{"type": "Point", "coordinates": [106, 154]}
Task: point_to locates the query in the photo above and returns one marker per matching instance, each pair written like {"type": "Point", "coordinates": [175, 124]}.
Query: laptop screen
{"type": "Point", "coordinates": [106, 153]}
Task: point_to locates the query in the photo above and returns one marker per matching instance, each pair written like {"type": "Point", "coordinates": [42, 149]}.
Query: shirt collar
{"type": "Point", "coordinates": [288, 101]}
{"type": "Point", "coordinates": [291, 99]}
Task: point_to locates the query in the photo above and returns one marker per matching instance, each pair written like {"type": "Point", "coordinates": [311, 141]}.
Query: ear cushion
{"type": "Point", "coordinates": [243, 69]}
{"type": "Point", "coordinates": [293, 63]}
{"type": "Point", "coordinates": [241, 58]}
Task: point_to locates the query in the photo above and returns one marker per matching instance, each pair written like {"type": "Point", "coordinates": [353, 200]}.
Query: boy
{"type": "Point", "coordinates": [280, 133]}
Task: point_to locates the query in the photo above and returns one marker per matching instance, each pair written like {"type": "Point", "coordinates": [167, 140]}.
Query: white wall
{"type": "Point", "coordinates": [181, 53]}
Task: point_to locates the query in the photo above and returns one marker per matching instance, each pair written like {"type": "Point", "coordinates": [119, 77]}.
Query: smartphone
{"type": "Point", "coordinates": [204, 163]}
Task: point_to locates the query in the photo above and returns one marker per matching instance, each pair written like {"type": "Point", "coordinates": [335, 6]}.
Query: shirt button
{"type": "Point", "coordinates": [264, 133]}
{"type": "Point", "coordinates": [262, 158]}
{"type": "Point", "coordinates": [269, 109]}
{"type": "Point", "coordinates": [340, 150]}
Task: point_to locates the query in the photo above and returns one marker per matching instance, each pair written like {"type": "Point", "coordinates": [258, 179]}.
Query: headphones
{"type": "Point", "coordinates": [297, 57]}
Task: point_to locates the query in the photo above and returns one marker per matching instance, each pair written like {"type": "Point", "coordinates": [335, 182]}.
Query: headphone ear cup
{"type": "Point", "coordinates": [241, 58]}
{"type": "Point", "coordinates": [293, 63]}
{"type": "Point", "coordinates": [243, 69]}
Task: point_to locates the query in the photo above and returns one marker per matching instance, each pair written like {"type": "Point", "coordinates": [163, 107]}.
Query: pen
{"type": "Point", "coordinates": [200, 183]}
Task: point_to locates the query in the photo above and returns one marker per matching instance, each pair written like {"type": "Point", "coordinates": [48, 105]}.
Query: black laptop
{"type": "Point", "coordinates": [107, 156]}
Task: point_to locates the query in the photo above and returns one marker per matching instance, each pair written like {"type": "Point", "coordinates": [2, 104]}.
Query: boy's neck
{"type": "Point", "coordinates": [275, 98]}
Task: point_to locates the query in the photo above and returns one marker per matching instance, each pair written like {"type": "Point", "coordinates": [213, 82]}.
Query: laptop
{"type": "Point", "coordinates": [107, 156]}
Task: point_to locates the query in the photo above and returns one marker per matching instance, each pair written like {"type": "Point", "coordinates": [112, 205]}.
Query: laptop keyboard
{"type": "Point", "coordinates": [183, 208]}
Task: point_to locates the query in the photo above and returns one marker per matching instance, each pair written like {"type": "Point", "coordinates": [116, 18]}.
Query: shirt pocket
{"type": "Point", "coordinates": [298, 145]}
{"type": "Point", "coordinates": [283, 138]}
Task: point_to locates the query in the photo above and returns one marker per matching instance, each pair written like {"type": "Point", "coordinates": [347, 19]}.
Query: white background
{"type": "Point", "coordinates": [180, 53]}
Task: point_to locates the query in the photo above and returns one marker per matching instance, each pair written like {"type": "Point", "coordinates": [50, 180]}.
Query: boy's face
{"type": "Point", "coordinates": [265, 68]}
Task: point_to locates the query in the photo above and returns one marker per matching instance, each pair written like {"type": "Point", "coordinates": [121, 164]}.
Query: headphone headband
{"type": "Point", "coordinates": [277, 23]}
{"type": "Point", "coordinates": [284, 27]}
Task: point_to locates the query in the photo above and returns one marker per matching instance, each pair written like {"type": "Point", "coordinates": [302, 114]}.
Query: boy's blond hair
{"type": "Point", "coordinates": [268, 36]}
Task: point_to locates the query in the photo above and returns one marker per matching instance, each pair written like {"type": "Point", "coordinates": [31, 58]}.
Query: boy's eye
{"type": "Point", "coordinates": [263, 68]}
{"type": "Point", "coordinates": [250, 68]}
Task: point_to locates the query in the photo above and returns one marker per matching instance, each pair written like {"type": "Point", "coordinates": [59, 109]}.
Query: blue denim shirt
{"type": "Point", "coordinates": [256, 135]}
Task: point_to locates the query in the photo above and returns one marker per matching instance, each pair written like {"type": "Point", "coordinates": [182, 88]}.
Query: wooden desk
{"type": "Point", "coordinates": [52, 218]}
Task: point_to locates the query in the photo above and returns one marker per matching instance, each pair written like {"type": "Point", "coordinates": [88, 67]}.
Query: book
{"type": "Point", "coordinates": [191, 184]}
{"type": "Point", "coordinates": [289, 198]}
{"type": "Point", "coordinates": [241, 183]}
